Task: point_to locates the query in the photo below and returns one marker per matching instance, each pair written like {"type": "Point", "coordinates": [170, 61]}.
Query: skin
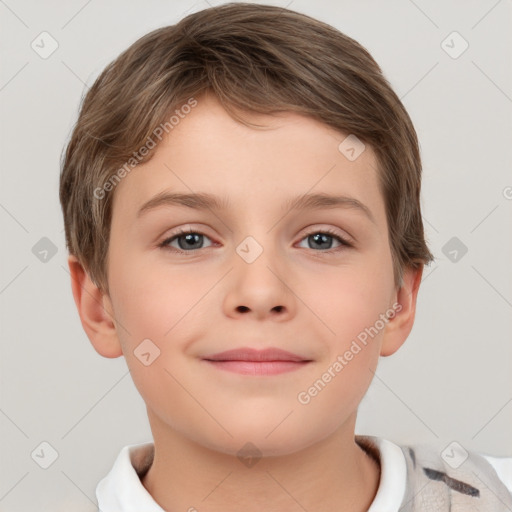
{"type": "Point", "coordinates": [294, 296]}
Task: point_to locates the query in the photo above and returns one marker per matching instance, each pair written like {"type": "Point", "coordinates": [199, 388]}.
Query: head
{"type": "Point", "coordinates": [256, 105]}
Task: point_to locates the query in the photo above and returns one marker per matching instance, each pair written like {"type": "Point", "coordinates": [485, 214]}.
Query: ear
{"type": "Point", "coordinates": [399, 327]}
{"type": "Point", "coordinates": [95, 310]}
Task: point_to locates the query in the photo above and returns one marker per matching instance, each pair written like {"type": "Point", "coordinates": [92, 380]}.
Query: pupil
{"type": "Point", "coordinates": [191, 238]}
{"type": "Point", "coordinates": [320, 238]}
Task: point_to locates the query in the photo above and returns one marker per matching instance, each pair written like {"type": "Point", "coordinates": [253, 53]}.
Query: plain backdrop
{"type": "Point", "coordinates": [451, 381]}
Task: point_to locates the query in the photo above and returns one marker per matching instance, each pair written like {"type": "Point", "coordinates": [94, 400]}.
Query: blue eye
{"type": "Point", "coordinates": [187, 241]}
{"type": "Point", "coordinates": [322, 237]}
{"type": "Point", "coordinates": [190, 240]}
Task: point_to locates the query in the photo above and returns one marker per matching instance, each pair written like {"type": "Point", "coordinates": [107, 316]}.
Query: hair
{"type": "Point", "coordinates": [254, 59]}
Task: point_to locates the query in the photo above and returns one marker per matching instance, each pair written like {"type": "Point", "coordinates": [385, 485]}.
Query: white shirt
{"type": "Point", "coordinates": [122, 491]}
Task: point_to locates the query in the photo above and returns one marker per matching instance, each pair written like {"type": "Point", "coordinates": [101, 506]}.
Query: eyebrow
{"type": "Point", "coordinates": [205, 201]}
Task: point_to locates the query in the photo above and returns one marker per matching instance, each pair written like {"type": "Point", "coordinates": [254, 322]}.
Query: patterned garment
{"type": "Point", "coordinates": [434, 485]}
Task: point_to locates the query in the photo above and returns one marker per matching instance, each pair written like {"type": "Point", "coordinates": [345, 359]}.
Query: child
{"type": "Point", "coordinates": [208, 161]}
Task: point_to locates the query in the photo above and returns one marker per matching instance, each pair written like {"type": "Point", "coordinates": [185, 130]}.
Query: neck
{"type": "Point", "coordinates": [333, 474]}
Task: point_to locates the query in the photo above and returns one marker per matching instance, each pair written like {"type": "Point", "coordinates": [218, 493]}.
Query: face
{"type": "Point", "coordinates": [252, 272]}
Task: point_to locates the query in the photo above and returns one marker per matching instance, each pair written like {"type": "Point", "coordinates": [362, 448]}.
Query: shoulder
{"type": "Point", "coordinates": [457, 477]}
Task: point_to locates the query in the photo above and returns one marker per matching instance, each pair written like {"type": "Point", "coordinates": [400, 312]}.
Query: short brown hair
{"type": "Point", "coordinates": [253, 58]}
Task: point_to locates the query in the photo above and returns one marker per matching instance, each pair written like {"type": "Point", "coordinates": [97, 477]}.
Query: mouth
{"type": "Point", "coordinates": [248, 361]}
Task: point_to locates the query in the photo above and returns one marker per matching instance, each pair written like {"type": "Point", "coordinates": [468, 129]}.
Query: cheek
{"type": "Point", "coordinates": [160, 306]}
{"type": "Point", "coordinates": [154, 301]}
{"type": "Point", "coordinates": [346, 301]}
{"type": "Point", "coordinates": [349, 328]}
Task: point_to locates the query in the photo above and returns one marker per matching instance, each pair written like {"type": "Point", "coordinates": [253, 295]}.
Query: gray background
{"type": "Point", "coordinates": [451, 381]}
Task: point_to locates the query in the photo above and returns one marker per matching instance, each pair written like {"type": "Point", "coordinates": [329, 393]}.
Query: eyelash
{"type": "Point", "coordinates": [345, 244]}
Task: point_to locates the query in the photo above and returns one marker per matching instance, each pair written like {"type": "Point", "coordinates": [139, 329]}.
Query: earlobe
{"type": "Point", "coordinates": [399, 327]}
{"type": "Point", "coordinates": [95, 310]}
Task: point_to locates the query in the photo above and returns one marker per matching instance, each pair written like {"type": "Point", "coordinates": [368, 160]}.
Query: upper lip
{"type": "Point", "coordinates": [250, 354]}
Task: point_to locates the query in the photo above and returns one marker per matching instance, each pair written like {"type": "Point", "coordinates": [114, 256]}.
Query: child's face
{"type": "Point", "coordinates": [305, 294]}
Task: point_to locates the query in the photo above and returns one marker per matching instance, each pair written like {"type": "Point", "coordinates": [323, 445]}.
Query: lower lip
{"type": "Point", "coordinates": [258, 368]}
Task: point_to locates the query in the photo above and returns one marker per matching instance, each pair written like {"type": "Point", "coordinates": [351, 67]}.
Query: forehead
{"type": "Point", "coordinates": [288, 156]}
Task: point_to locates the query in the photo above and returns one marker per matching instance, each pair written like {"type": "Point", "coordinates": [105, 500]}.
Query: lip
{"type": "Point", "coordinates": [251, 354]}
{"type": "Point", "coordinates": [259, 369]}
{"type": "Point", "coordinates": [248, 361]}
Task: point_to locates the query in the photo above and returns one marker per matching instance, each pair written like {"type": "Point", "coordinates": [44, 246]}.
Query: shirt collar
{"type": "Point", "coordinates": [393, 473]}
{"type": "Point", "coordinates": [122, 490]}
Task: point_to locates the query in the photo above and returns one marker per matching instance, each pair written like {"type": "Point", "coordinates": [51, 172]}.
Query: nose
{"type": "Point", "coordinates": [259, 287]}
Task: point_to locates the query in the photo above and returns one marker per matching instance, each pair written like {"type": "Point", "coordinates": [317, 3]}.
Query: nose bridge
{"type": "Point", "coordinates": [257, 233]}
{"type": "Point", "coordinates": [258, 255]}
{"type": "Point", "coordinates": [256, 228]}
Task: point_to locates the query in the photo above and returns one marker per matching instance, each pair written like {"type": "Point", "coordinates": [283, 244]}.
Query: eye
{"type": "Point", "coordinates": [323, 237]}
{"type": "Point", "coordinates": [188, 241]}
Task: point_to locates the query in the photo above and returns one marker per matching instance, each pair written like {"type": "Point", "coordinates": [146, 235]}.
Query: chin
{"type": "Point", "coordinates": [256, 441]}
